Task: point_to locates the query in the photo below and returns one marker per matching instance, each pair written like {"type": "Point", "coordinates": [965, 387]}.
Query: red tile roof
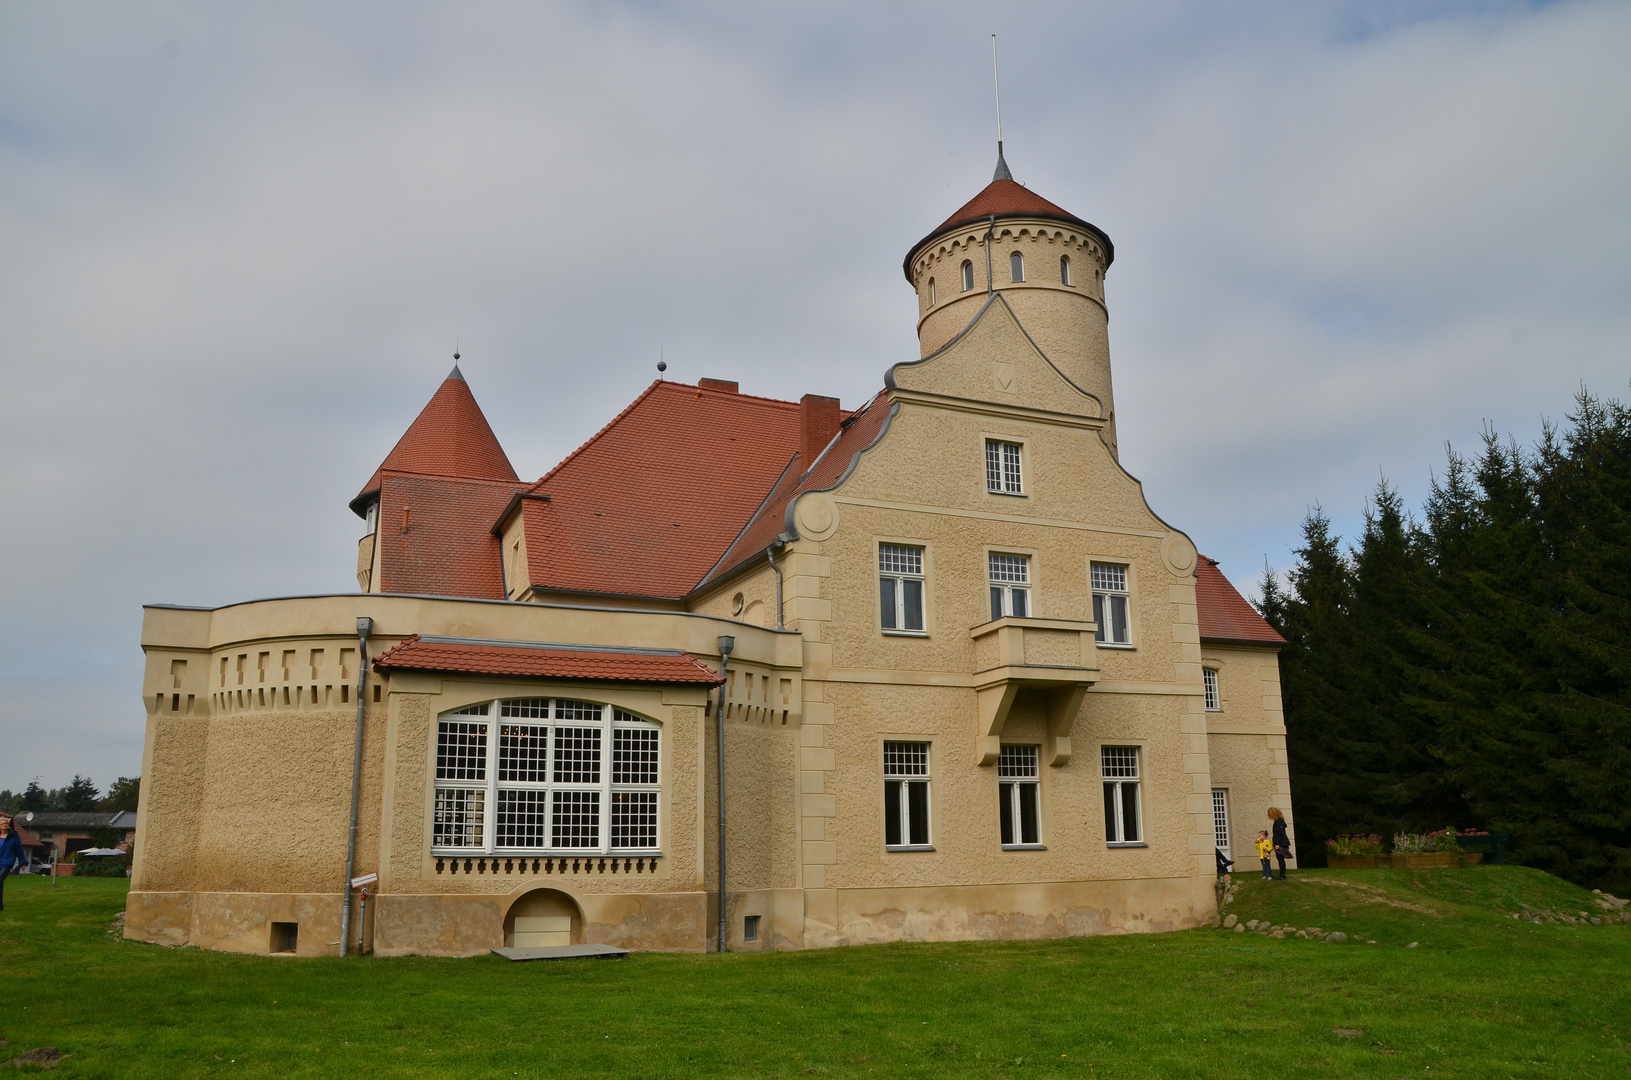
{"type": "Point", "coordinates": [1006, 198]}
{"type": "Point", "coordinates": [647, 506]}
{"type": "Point", "coordinates": [449, 437]}
{"type": "Point", "coordinates": [859, 431]}
{"type": "Point", "coordinates": [541, 661]}
{"type": "Point", "coordinates": [1223, 613]}
{"type": "Point", "coordinates": [444, 545]}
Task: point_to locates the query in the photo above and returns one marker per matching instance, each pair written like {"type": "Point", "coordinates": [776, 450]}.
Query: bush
{"type": "Point", "coordinates": [108, 867]}
{"type": "Point", "coordinates": [1354, 845]}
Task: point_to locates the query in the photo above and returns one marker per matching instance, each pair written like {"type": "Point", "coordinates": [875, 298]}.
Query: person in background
{"type": "Point", "coordinates": [11, 854]}
{"type": "Point", "coordinates": [1282, 841]}
{"type": "Point", "coordinates": [1265, 851]}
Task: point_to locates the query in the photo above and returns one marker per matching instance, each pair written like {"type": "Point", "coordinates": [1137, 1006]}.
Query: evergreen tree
{"type": "Point", "coordinates": [123, 794]}
{"type": "Point", "coordinates": [80, 794]}
{"type": "Point", "coordinates": [34, 796]}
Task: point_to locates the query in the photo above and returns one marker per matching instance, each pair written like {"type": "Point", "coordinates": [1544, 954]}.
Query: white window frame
{"type": "Point", "coordinates": [1008, 581]}
{"type": "Point", "coordinates": [1106, 597]}
{"type": "Point", "coordinates": [632, 771]}
{"type": "Point", "coordinates": [371, 518]}
{"type": "Point", "coordinates": [1019, 782]}
{"type": "Point", "coordinates": [907, 765]}
{"type": "Point", "coordinates": [899, 565]}
{"type": "Point", "coordinates": [1004, 467]}
{"type": "Point", "coordinates": [1220, 821]}
{"type": "Point", "coordinates": [1209, 684]}
{"type": "Point", "coordinates": [1064, 271]}
{"type": "Point", "coordinates": [1113, 767]}
{"type": "Point", "coordinates": [1016, 267]}
{"type": "Point", "coordinates": [931, 292]}
{"type": "Point", "coordinates": [967, 274]}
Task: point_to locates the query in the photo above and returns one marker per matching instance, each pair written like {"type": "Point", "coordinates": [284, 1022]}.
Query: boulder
{"type": "Point", "coordinates": [1229, 921]}
{"type": "Point", "coordinates": [1336, 937]}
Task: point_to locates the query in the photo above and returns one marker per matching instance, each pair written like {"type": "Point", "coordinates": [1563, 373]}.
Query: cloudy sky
{"type": "Point", "coordinates": [239, 242]}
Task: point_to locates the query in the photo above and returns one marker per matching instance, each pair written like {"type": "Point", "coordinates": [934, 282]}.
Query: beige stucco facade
{"type": "Point", "coordinates": [251, 711]}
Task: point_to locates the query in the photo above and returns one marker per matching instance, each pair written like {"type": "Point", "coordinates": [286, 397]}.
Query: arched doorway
{"type": "Point", "coordinates": [543, 918]}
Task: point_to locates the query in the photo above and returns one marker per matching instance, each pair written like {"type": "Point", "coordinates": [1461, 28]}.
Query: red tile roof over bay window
{"type": "Point", "coordinates": [1223, 613]}
{"type": "Point", "coordinates": [649, 504]}
{"type": "Point", "coordinates": [546, 661]}
{"type": "Point", "coordinates": [449, 437]}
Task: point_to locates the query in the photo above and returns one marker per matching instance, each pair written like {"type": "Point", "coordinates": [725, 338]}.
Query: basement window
{"type": "Point", "coordinates": [285, 937]}
{"type": "Point", "coordinates": [750, 928]}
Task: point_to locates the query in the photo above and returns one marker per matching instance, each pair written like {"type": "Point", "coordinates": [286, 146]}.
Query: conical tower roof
{"type": "Point", "coordinates": [1002, 198]}
{"type": "Point", "coordinates": [449, 437]}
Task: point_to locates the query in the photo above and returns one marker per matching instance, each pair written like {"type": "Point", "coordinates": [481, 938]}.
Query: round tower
{"type": "Point", "coordinates": [1048, 264]}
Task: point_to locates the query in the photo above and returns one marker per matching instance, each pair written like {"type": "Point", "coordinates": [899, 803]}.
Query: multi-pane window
{"type": "Point", "coordinates": [1121, 803]}
{"type": "Point", "coordinates": [1002, 468]}
{"type": "Point", "coordinates": [1110, 604]}
{"type": "Point", "coordinates": [1016, 266]}
{"type": "Point", "coordinates": [906, 794]}
{"type": "Point", "coordinates": [545, 774]}
{"type": "Point", "coordinates": [968, 275]}
{"type": "Point", "coordinates": [1220, 820]}
{"type": "Point", "coordinates": [1010, 585]}
{"type": "Point", "coordinates": [1064, 269]}
{"type": "Point", "coordinates": [900, 588]}
{"type": "Point", "coordinates": [1209, 679]}
{"type": "Point", "coordinates": [1018, 796]}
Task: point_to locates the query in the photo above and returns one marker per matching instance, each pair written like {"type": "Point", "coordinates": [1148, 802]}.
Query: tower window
{"type": "Point", "coordinates": [1064, 269]}
{"type": "Point", "coordinates": [968, 275]}
{"type": "Point", "coordinates": [1016, 267]}
{"type": "Point", "coordinates": [931, 292]}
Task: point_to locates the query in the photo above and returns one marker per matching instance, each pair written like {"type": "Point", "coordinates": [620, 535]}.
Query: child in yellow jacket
{"type": "Point", "coordinates": [1265, 850]}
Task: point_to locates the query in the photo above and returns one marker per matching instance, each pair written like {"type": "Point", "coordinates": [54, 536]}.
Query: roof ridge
{"type": "Point", "coordinates": [461, 479]}
{"type": "Point", "coordinates": [591, 440]}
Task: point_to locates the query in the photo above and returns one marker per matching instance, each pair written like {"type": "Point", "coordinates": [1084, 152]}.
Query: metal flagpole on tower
{"type": "Point", "coordinates": [996, 89]}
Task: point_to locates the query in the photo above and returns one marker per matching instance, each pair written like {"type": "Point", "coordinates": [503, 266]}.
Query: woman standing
{"type": "Point", "coordinates": [11, 855]}
{"type": "Point", "coordinates": [1282, 841]}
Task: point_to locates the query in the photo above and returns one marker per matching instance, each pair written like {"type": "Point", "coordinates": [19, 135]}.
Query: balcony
{"type": "Point", "coordinates": [1053, 657]}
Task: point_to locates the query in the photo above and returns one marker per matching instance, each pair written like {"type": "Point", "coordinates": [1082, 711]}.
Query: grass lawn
{"type": "Point", "coordinates": [1484, 997]}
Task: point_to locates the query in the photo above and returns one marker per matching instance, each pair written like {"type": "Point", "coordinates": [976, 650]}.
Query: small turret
{"type": "Point", "coordinates": [1049, 265]}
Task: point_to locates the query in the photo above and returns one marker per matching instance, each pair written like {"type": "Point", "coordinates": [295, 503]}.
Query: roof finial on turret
{"type": "Point", "coordinates": [1002, 172]}
{"type": "Point", "coordinates": [456, 373]}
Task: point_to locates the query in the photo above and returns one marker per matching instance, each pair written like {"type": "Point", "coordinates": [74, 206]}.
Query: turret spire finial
{"type": "Point", "coordinates": [1002, 172]}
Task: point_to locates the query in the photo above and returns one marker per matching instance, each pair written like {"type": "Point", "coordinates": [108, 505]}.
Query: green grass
{"type": "Point", "coordinates": [1484, 997]}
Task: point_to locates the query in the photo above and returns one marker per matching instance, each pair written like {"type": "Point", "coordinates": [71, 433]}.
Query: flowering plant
{"type": "Point", "coordinates": [1354, 845]}
{"type": "Point", "coordinates": [1416, 843]}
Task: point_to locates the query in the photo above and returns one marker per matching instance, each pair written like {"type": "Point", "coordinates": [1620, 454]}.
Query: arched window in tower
{"type": "Point", "coordinates": [968, 275]}
{"type": "Point", "coordinates": [1016, 267]}
{"type": "Point", "coordinates": [931, 292]}
{"type": "Point", "coordinates": [1064, 269]}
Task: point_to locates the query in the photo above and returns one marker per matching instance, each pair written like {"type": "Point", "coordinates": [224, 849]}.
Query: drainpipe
{"type": "Point", "coordinates": [365, 626]}
{"type": "Point", "coordinates": [989, 229]}
{"type": "Point", "coordinates": [770, 553]}
{"type": "Point", "coordinates": [726, 644]}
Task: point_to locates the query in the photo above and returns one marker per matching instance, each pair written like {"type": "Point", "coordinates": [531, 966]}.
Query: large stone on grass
{"type": "Point", "coordinates": [1229, 921]}
{"type": "Point", "coordinates": [1336, 937]}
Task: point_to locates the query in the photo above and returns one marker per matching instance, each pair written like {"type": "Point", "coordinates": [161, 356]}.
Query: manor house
{"type": "Point", "coordinates": [972, 686]}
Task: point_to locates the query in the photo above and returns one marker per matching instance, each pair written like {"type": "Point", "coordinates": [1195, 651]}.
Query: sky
{"type": "Point", "coordinates": [240, 243]}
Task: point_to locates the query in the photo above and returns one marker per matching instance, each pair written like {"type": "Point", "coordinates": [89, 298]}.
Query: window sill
{"type": "Point", "coordinates": [1007, 494]}
{"type": "Point", "coordinates": [904, 633]}
{"type": "Point", "coordinates": [1127, 844]}
{"type": "Point", "coordinates": [1214, 711]}
{"type": "Point", "coordinates": [513, 853]}
{"type": "Point", "coordinates": [903, 848]}
{"type": "Point", "coordinates": [1115, 645]}
{"type": "Point", "coordinates": [1024, 847]}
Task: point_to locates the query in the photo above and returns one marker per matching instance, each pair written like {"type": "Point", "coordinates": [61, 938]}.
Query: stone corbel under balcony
{"type": "Point", "coordinates": [1054, 656]}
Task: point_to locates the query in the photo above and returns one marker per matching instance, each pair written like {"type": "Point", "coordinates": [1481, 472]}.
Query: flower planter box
{"type": "Point", "coordinates": [1357, 862]}
{"type": "Point", "coordinates": [1427, 860]}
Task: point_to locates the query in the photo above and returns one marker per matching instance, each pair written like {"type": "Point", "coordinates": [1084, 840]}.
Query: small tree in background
{"type": "Point", "coordinates": [34, 796]}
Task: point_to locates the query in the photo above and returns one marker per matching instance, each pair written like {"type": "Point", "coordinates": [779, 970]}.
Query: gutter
{"type": "Point", "coordinates": [365, 625]}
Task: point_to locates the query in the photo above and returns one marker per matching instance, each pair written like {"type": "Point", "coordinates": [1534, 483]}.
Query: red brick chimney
{"type": "Point", "coordinates": [818, 423]}
{"type": "Point", "coordinates": [724, 386]}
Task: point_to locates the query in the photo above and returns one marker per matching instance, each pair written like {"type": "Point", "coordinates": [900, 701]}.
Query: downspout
{"type": "Point", "coordinates": [726, 644]}
{"type": "Point", "coordinates": [365, 626]}
{"type": "Point", "coordinates": [989, 229]}
{"type": "Point", "coordinates": [770, 553]}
